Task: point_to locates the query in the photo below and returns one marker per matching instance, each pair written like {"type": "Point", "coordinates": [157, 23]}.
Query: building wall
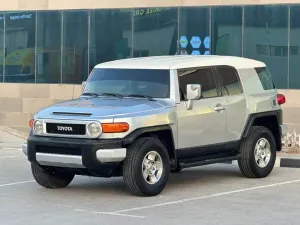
{"type": "Point", "coordinates": [90, 4]}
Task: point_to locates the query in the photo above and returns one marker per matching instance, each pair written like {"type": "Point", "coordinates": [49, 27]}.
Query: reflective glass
{"type": "Point", "coordinates": [2, 52]}
{"type": "Point", "coordinates": [155, 31]}
{"type": "Point", "coordinates": [194, 34]}
{"type": "Point", "coordinates": [110, 35]}
{"type": "Point", "coordinates": [20, 47]}
{"type": "Point", "coordinates": [227, 30]}
{"type": "Point", "coordinates": [75, 47]}
{"type": "Point", "coordinates": [294, 75]}
{"type": "Point", "coordinates": [266, 39]}
{"type": "Point", "coordinates": [48, 51]}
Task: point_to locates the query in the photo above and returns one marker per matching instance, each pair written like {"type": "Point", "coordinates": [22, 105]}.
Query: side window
{"type": "Point", "coordinates": [265, 78]}
{"type": "Point", "coordinates": [231, 84]}
{"type": "Point", "coordinates": [204, 77]}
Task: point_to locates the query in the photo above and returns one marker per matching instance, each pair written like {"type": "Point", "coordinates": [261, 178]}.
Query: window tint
{"type": "Point", "coordinates": [265, 78]}
{"type": "Point", "coordinates": [231, 84]}
{"type": "Point", "coordinates": [204, 77]}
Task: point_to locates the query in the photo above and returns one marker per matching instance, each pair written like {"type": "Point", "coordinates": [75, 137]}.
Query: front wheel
{"type": "Point", "coordinates": [258, 153]}
{"type": "Point", "coordinates": [146, 167]}
{"type": "Point", "coordinates": [52, 178]}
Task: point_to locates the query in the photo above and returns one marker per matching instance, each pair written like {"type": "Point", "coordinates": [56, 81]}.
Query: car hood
{"type": "Point", "coordinates": [100, 107]}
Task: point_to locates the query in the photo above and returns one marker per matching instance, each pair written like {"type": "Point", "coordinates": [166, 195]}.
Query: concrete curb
{"type": "Point", "coordinates": [14, 132]}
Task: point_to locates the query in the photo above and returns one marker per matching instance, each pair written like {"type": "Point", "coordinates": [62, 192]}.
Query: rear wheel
{"type": "Point", "coordinates": [51, 177]}
{"type": "Point", "coordinates": [258, 153]}
{"type": "Point", "coordinates": [146, 167]}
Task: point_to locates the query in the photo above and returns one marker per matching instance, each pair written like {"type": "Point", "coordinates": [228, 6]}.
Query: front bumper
{"type": "Point", "coordinates": [74, 153]}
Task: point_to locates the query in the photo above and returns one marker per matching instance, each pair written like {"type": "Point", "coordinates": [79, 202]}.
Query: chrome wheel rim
{"type": "Point", "coordinates": [262, 152]}
{"type": "Point", "coordinates": [152, 168]}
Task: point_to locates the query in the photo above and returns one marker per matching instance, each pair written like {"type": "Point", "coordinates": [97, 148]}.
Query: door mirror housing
{"type": "Point", "coordinates": [193, 91]}
{"type": "Point", "coordinates": [83, 85]}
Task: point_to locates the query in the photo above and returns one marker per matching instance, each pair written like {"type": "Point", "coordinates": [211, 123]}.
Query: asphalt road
{"type": "Point", "coordinates": [215, 194]}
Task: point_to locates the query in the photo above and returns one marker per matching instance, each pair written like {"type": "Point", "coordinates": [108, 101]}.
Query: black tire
{"type": "Point", "coordinates": [247, 162]}
{"type": "Point", "coordinates": [51, 178]}
{"type": "Point", "coordinates": [132, 167]}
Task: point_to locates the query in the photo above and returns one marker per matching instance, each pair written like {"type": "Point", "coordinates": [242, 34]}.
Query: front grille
{"type": "Point", "coordinates": [58, 150]}
{"type": "Point", "coordinates": [66, 129]}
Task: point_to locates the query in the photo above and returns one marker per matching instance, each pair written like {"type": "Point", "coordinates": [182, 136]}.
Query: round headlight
{"type": "Point", "coordinates": [38, 127]}
{"type": "Point", "coordinates": [94, 130]}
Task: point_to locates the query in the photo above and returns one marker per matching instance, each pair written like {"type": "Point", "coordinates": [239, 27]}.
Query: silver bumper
{"type": "Point", "coordinates": [74, 161]}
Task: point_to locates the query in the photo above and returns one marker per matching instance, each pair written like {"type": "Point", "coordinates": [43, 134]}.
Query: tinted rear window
{"type": "Point", "coordinates": [265, 78]}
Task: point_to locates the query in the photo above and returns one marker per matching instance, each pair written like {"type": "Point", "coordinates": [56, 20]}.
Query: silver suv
{"type": "Point", "coordinates": [143, 118]}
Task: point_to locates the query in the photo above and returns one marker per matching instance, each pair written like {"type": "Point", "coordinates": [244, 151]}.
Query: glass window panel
{"type": "Point", "coordinates": [204, 77]}
{"type": "Point", "coordinates": [227, 31]}
{"type": "Point", "coordinates": [294, 75]}
{"type": "Point", "coordinates": [75, 47]}
{"type": "Point", "coordinates": [48, 51]}
{"type": "Point", "coordinates": [111, 35]}
{"type": "Point", "coordinates": [155, 31]}
{"type": "Point", "coordinates": [266, 28]}
{"type": "Point", "coordinates": [230, 83]}
{"type": "Point", "coordinates": [20, 47]}
{"type": "Point", "coordinates": [1, 46]}
{"type": "Point", "coordinates": [194, 35]}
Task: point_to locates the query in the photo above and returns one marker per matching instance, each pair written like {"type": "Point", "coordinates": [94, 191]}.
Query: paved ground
{"type": "Point", "coordinates": [215, 194]}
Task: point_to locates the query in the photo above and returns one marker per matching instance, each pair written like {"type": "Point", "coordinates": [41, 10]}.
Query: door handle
{"type": "Point", "coordinates": [219, 107]}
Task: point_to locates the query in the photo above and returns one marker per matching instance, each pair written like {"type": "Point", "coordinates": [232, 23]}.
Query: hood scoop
{"type": "Point", "coordinates": [71, 114]}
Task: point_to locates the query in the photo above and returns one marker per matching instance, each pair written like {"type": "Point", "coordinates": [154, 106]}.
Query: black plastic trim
{"type": "Point", "coordinates": [252, 117]}
{"type": "Point", "coordinates": [88, 148]}
{"type": "Point", "coordinates": [201, 153]}
{"type": "Point", "coordinates": [130, 138]}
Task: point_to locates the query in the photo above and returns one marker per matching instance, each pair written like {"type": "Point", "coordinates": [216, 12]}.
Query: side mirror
{"type": "Point", "coordinates": [193, 92]}
{"type": "Point", "coordinates": [83, 85]}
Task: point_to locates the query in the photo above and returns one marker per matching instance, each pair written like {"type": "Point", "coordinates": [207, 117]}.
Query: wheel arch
{"type": "Point", "coordinates": [163, 133]}
{"type": "Point", "coordinates": [272, 120]}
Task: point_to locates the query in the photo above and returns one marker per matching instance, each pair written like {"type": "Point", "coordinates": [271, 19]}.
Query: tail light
{"type": "Point", "coordinates": [280, 99]}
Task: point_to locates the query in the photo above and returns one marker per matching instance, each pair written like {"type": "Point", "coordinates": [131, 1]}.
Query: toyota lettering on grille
{"type": "Point", "coordinates": [61, 128]}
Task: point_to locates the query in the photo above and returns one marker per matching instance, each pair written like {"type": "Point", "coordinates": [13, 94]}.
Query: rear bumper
{"type": "Point", "coordinates": [74, 153]}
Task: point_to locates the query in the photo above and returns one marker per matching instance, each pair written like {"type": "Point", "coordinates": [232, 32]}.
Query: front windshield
{"type": "Point", "coordinates": [125, 82]}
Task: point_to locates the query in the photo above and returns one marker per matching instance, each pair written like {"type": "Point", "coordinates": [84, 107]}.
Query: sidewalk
{"type": "Point", "coordinates": [9, 140]}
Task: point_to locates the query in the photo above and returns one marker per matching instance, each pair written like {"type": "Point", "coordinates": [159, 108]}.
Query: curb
{"type": "Point", "coordinates": [14, 132]}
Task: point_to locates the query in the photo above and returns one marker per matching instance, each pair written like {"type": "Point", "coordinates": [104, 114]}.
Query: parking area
{"type": "Point", "coordinates": [215, 194]}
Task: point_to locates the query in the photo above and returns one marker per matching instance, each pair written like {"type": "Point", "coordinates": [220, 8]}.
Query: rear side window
{"type": "Point", "coordinates": [265, 78]}
{"type": "Point", "coordinates": [231, 84]}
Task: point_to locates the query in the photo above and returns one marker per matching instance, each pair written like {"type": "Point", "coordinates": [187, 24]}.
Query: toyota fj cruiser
{"type": "Point", "coordinates": [143, 118]}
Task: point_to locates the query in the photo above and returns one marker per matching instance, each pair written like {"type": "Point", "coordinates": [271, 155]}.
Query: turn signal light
{"type": "Point", "coordinates": [31, 123]}
{"type": "Point", "coordinates": [114, 127]}
{"type": "Point", "coordinates": [281, 99]}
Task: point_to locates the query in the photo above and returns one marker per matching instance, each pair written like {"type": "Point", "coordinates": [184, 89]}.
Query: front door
{"type": "Point", "coordinates": [202, 128]}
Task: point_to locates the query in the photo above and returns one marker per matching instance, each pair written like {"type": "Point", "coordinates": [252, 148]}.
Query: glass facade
{"type": "Point", "coordinates": [64, 46]}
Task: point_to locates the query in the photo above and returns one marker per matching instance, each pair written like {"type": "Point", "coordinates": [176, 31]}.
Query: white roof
{"type": "Point", "coordinates": [181, 61]}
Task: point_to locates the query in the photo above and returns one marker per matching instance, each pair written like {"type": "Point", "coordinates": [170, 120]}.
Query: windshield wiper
{"type": "Point", "coordinates": [90, 94]}
{"type": "Point", "coordinates": [141, 96]}
{"type": "Point", "coordinates": [112, 94]}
